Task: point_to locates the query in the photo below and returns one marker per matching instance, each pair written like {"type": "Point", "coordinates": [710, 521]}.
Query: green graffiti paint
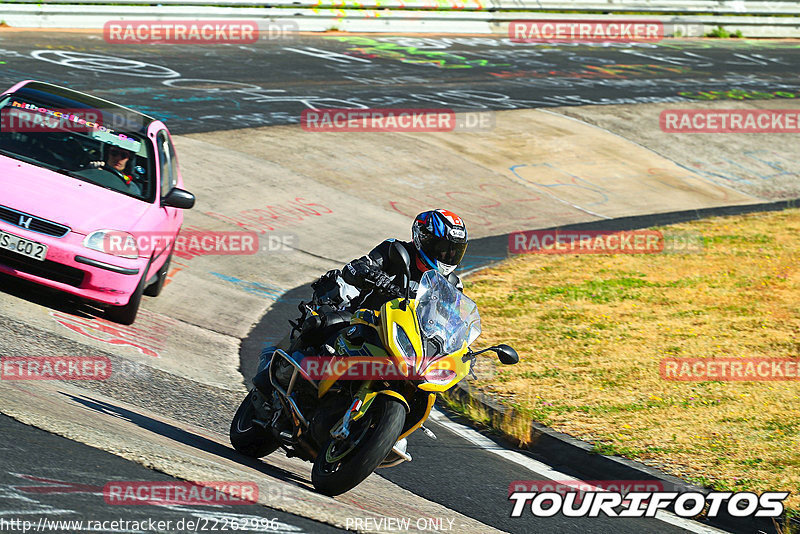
{"type": "Point", "coordinates": [737, 94]}
{"type": "Point", "coordinates": [410, 54]}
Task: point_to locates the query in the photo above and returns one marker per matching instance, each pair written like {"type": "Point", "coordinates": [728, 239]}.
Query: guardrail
{"type": "Point", "coordinates": [754, 18]}
{"type": "Point", "coordinates": [702, 7]}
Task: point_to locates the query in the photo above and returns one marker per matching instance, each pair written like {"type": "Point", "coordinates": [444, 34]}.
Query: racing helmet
{"type": "Point", "coordinates": [440, 237]}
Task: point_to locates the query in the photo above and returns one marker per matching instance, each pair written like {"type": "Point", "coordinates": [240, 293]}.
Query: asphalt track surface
{"type": "Point", "coordinates": [66, 483]}
{"type": "Point", "coordinates": [200, 89]}
{"type": "Point", "coordinates": [212, 87]}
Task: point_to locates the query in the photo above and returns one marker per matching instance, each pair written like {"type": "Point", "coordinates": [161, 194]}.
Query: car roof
{"type": "Point", "coordinates": [118, 117]}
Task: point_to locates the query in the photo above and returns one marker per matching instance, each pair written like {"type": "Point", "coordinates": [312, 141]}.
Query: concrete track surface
{"type": "Point", "coordinates": [318, 200]}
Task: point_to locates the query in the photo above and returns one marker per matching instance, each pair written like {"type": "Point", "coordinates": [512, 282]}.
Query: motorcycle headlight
{"type": "Point", "coordinates": [440, 376]}
{"type": "Point", "coordinates": [114, 242]}
{"type": "Point", "coordinates": [402, 341]}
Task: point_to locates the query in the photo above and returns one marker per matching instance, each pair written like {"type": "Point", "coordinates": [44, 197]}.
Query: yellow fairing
{"type": "Point", "coordinates": [451, 362]}
{"type": "Point", "coordinates": [431, 400]}
{"type": "Point", "coordinates": [341, 364]}
{"type": "Point", "coordinates": [447, 371]}
{"type": "Point", "coordinates": [372, 395]}
{"type": "Point", "coordinates": [393, 317]}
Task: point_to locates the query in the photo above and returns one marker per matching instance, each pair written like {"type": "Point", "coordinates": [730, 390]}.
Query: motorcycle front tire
{"type": "Point", "coordinates": [247, 437]}
{"type": "Point", "coordinates": [387, 417]}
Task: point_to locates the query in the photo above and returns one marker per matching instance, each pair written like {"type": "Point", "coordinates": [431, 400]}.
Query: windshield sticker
{"type": "Point", "coordinates": [24, 117]}
{"type": "Point", "coordinates": [120, 140]}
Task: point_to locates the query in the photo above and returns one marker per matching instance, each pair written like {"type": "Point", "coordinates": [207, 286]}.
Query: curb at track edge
{"type": "Point", "coordinates": [565, 449]}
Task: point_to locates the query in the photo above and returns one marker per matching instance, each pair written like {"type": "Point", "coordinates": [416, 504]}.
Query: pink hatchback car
{"type": "Point", "coordinates": [77, 175]}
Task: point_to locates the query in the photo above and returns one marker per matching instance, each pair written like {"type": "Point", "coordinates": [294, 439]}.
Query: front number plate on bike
{"type": "Point", "coordinates": [23, 246]}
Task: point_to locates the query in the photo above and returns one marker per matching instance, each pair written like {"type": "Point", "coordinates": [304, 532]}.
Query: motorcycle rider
{"type": "Point", "coordinates": [439, 241]}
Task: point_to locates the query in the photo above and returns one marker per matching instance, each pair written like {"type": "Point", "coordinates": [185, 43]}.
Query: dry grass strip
{"type": "Point", "coordinates": [591, 331]}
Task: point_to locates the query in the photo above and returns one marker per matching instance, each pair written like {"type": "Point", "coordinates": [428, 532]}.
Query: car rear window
{"type": "Point", "coordinates": [79, 144]}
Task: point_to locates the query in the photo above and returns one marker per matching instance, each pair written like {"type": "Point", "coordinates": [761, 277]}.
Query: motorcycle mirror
{"type": "Point", "coordinates": [398, 251]}
{"type": "Point", "coordinates": [507, 355]}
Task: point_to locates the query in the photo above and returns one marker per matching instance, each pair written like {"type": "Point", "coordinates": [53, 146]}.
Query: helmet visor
{"type": "Point", "coordinates": [443, 250]}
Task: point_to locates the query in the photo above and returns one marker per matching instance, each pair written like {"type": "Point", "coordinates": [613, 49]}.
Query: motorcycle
{"type": "Point", "coordinates": [350, 410]}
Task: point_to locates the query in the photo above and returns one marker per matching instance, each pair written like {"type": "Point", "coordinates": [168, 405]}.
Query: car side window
{"type": "Point", "coordinates": [168, 163]}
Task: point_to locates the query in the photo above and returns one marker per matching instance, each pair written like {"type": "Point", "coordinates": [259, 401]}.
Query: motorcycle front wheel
{"type": "Point", "coordinates": [343, 464]}
{"type": "Point", "coordinates": [247, 437]}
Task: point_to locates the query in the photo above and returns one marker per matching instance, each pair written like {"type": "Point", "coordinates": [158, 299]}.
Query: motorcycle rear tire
{"type": "Point", "coordinates": [387, 418]}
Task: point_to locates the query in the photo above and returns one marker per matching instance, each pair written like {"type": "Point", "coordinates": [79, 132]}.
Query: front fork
{"type": "Point", "coordinates": [357, 410]}
{"type": "Point", "coordinates": [342, 429]}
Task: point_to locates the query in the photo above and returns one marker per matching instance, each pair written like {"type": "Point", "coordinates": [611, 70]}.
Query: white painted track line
{"type": "Point", "coordinates": [544, 470]}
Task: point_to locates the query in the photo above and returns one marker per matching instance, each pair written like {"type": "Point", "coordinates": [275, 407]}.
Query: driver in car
{"type": "Point", "coordinates": [117, 159]}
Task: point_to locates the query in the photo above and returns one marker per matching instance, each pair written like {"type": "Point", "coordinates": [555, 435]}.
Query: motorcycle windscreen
{"type": "Point", "coordinates": [446, 315]}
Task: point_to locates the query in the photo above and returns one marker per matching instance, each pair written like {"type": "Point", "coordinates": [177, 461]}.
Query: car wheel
{"type": "Point", "coordinates": [154, 289]}
{"type": "Point", "coordinates": [127, 314]}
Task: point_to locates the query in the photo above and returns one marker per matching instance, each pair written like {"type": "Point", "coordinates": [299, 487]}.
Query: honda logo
{"type": "Point", "coordinates": [25, 222]}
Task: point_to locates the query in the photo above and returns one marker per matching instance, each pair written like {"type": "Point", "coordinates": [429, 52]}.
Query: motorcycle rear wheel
{"type": "Point", "coordinates": [336, 471]}
{"type": "Point", "coordinates": [247, 437]}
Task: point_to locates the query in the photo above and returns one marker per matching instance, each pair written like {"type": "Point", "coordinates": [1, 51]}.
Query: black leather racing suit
{"type": "Point", "coordinates": [363, 274]}
{"type": "Point", "coordinates": [366, 270]}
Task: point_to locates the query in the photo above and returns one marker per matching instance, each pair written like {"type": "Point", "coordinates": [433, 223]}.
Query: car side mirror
{"type": "Point", "coordinates": [507, 355]}
{"type": "Point", "coordinates": [178, 198]}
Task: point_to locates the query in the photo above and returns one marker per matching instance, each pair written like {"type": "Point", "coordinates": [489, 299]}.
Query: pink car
{"type": "Point", "coordinates": [90, 196]}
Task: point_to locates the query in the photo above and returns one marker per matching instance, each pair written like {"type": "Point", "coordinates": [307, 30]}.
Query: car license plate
{"type": "Point", "coordinates": [23, 246]}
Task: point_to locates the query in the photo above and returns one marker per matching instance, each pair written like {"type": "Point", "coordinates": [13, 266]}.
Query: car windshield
{"type": "Point", "coordinates": [76, 143]}
{"type": "Point", "coordinates": [447, 317]}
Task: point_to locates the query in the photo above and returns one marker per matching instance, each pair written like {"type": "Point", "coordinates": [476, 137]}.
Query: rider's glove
{"type": "Point", "coordinates": [382, 282]}
{"type": "Point", "coordinates": [395, 291]}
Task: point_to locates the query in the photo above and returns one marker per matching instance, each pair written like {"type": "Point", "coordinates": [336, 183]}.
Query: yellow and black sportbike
{"type": "Point", "coordinates": [349, 403]}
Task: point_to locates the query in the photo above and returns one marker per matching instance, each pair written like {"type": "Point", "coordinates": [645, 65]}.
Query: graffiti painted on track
{"type": "Point", "coordinates": [149, 334]}
{"type": "Point", "coordinates": [272, 83]}
{"type": "Point", "coordinates": [106, 64]}
{"type": "Point", "coordinates": [738, 94]}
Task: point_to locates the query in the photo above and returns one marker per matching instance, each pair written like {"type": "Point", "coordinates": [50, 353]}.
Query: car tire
{"type": "Point", "coordinates": [154, 289]}
{"type": "Point", "coordinates": [127, 314]}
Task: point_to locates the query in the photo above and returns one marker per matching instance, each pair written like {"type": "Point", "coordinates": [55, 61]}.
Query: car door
{"type": "Point", "coordinates": [171, 218]}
